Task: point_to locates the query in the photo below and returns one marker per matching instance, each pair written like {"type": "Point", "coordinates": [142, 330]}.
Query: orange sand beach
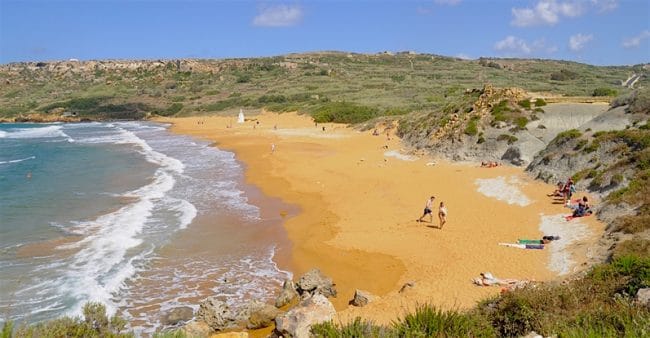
{"type": "Point", "coordinates": [359, 202]}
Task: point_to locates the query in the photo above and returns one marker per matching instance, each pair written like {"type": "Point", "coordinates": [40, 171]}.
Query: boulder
{"type": "Point", "coordinates": [513, 155]}
{"type": "Point", "coordinates": [298, 321]}
{"type": "Point", "coordinates": [315, 282]}
{"type": "Point", "coordinates": [260, 314]}
{"type": "Point", "coordinates": [361, 298]}
{"type": "Point", "coordinates": [216, 314]}
{"type": "Point", "coordinates": [196, 329]}
{"type": "Point", "coordinates": [287, 294]}
{"type": "Point", "coordinates": [177, 315]}
{"type": "Point", "coordinates": [643, 297]}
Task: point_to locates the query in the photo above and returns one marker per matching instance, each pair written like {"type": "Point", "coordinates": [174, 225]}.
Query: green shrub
{"type": "Point", "coordinates": [429, 321]}
{"type": "Point", "coordinates": [521, 122]}
{"type": "Point", "coordinates": [580, 144]}
{"type": "Point", "coordinates": [524, 104]}
{"type": "Point", "coordinates": [472, 127]}
{"type": "Point", "coordinates": [540, 102]}
{"type": "Point", "coordinates": [356, 328]}
{"type": "Point", "coordinates": [564, 75]}
{"type": "Point", "coordinates": [172, 109]}
{"type": "Point", "coordinates": [567, 136]}
{"type": "Point", "coordinates": [603, 91]}
{"type": "Point", "coordinates": [507, 137]}
{"type": "Point", "coordinates": [343, 112]}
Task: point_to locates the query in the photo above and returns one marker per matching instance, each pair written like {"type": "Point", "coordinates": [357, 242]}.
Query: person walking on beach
{"type": "Point", "coordinates": [442, 214]}
{"type": "Point", "coordinates": [427, 210]}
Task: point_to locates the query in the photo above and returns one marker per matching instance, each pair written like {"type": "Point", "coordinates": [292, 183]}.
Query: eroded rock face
{"type": "Point", "coordinates": [177, 315]}
{"type": "Point", "coordinates": [287, 294]}
{"type": "Point", "coordinates": [196, 329]}
{"type": "Point", "coordinates": [299, 320]}
{"type": "Point", "coordinates": [314, 281]}
{"type": "Point", "coordinates": [217, 314]}
{"type": "Point", "coordinates": [361, 298]}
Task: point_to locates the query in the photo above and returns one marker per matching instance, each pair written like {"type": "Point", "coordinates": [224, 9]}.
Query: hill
{"type": "Point", "coordinates": [361, 86]}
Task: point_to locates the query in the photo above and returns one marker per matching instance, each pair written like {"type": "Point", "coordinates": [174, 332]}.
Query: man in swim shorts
{"type": "Point", "coordinates": [427, 210]}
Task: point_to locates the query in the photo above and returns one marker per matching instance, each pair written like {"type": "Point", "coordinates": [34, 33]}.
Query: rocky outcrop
{"type": "Point", "coordinates": [260, 314]}
{"type": "Point", "coordinates": [287, 294]}
{"type": "Point", "coordinates": [643, 297]}
{"type": "Point", "coordinates": [361, 298]}
{"type": "Point", "coordinates": [177, 315]}
{"type": "Point", "coordinates": [297, 322]}
{"type": "Point", "coordinates": [196, 329]}
{"type": "Point", "coordinates": [314, 281]}
{"type": "Point", "coordinates": [218, 315]}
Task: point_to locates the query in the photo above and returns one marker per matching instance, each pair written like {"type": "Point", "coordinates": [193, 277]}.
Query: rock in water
{"type": "Point", "coordinates": [298, 321]}
{"type": "Point", "coordinates": [287, 294]}
{"type": "Point", "coordinates": [361, 298]}
{"type": "Point", "coordinates": [315, 282]}
{"type": "Point", "coordinates": [216, 314]}
{"type": "Point", "coordinates": [260, 314]}
{"type": "Point", "coordinates": [177, 315]}
{"type": "Point", "coordinates": [513, 155]}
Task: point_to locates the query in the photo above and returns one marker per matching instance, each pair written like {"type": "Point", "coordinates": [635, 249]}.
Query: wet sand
{"type": "Point", "coordinates": [358, 209]}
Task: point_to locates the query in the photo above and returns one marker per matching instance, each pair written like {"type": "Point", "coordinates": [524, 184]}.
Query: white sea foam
{"type": "Point", "coordinates": [569, 232]}
{"type": "Point", "coordinates": [396, 154]}
{"type": "Point", "coordinates": [503, 190]}
{"type": "Point", "coordinates": [19, 160]}
{"type": "Point", "coordinates": [51, 131]}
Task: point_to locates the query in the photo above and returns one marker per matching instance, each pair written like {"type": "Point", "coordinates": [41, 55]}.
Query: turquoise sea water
{"type": "Point", "coordinates": [89, 212]}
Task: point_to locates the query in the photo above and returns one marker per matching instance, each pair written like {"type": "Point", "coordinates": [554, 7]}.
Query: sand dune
{"type": "Point", "coordinates": [359, 202]}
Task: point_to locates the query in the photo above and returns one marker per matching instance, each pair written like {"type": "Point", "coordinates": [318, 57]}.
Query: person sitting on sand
{"type": "Point", "coordinates": [442, 214]}
{"type": "Point", "coordinates": [558, 191]}
{"type": "Point", "coordinates": [427, 210]}
{"type": "Point", "coordinates": [583, 208]}
{"type": "Point", "coordinates": [375, 132]}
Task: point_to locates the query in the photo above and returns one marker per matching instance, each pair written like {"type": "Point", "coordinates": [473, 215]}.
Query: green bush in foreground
{"type": "Point", "coordinates": [604, 91]}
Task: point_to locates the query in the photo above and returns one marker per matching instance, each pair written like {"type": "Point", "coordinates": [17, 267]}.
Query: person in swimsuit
{"type": "Point", "coordinates": [427, 210]}
{"type": "Point", "coordinates": [442, 214]}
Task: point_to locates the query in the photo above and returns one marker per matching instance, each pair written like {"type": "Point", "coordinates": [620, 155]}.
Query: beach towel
{"type": "Point", "coordinates": [570, 217]}
{"type": "Point", "coordinates": [529, 241]}
{"type": "Point", "coordinates": [523, 246]}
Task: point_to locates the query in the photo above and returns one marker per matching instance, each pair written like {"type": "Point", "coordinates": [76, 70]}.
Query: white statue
{"type": "Point", "coordinates": [240, 119]}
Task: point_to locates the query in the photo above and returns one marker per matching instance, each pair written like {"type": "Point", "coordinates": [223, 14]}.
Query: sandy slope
{"type": "Point", "coordinates": [358, 211]}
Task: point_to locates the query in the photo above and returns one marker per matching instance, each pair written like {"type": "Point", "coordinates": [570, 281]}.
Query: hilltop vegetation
{"type": "Point", "coordinates": [366, 86]}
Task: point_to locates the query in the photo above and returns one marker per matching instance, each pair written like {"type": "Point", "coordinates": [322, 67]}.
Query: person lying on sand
{"type": "Point", "coordinates": [427, 210]}
{"type": "Point", "coordinates": [489, 164]}
{"type": "Point", "coordinates": [487, 279]}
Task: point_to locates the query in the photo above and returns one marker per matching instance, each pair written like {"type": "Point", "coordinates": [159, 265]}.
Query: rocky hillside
{"type": "Point", "coordinates": [613, 164]}
{"type": "Point", "coordinates": [362, 85]}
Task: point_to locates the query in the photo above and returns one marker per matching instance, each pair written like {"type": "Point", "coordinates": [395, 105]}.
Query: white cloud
{"type": "Point", "coordinates": [463, 56]}
{"type": "Point", "coordinates": [512, 45]}
{"type": "Point", "coordinates": [605, 5]}
{"type": "Point", "coordinates": [278, 16]}
{"type": "Point", "coordinates": [545, 12]}
{"type": "Point", "coordinates": [577, 42]}
{"type": "Point", "coordinates": [635, 41]}
{"type": "Point", "coordinates": [447, 2]}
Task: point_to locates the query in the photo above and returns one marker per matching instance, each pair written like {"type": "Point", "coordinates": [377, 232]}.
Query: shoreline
{"type": "Point", "coordinates": [357, 208]}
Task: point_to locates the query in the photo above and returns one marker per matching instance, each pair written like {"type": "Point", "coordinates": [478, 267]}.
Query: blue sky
{"type": "Point", "coordinates": [602, 32]}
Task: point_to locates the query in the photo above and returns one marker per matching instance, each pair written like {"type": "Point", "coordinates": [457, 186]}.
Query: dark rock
{"type": "Point", "coordinates": [287, 294]}
{"type": "Point", "coordinates": [513, 155]}
{"type": "Point", "coordinates": [315, 282]}
{"type": "Point", "coordinates": [298, 321]}
{"type": "Point", "coordinates": [177, 315]}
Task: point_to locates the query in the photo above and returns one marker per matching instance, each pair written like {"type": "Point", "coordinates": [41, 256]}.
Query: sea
{"type": "Point", "coordinates": [132, 216]}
